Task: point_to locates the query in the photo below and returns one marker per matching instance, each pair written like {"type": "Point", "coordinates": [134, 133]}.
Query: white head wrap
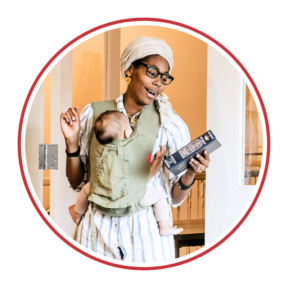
{"type": "Point", "coordinates": [142, 47]}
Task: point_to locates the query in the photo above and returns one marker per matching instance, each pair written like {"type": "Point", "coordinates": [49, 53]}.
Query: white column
{"type": "Point", "coordinates": [225, 196]}
{"type": "Point", "coordinates": [61, 195]}
{"type": "Point", "coordinates": [34, 137]}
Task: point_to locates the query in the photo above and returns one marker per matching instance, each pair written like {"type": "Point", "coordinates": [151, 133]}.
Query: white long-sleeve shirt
{"type": "Point", "coordinates": [113, 234]}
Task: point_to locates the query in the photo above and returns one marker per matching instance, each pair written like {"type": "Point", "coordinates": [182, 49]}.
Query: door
{"type": "Point", "coordinates": [33, 137]}
{"type": "Point", "coordinates": [61, 98]}
{"type": "Point", "coordinates": [61, 195]}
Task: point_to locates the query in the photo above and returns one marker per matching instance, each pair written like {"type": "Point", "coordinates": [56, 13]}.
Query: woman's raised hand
{"type": "Point", "coordinates": [70, 125]}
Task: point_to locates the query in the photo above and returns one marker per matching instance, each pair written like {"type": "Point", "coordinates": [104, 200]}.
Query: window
{"type": "Point", "coordinates": [253, 140]}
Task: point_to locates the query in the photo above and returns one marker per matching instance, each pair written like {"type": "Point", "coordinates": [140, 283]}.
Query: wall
{"type": "Point", "coordinates": [87, 71]}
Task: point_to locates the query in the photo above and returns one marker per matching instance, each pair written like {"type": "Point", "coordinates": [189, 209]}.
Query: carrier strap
{"type": "Point", "coordinates": [92, 229]}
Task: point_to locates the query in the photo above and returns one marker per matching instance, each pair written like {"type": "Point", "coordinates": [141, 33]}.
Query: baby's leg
{"type": "Point", "coordinates": [76, 211]}
{"type": "Point", "coordinates": [82, 200]}
{"type": "Point", "coordinates": [156, 197]}
{"type": "Point", "coordinates": [162, 216]}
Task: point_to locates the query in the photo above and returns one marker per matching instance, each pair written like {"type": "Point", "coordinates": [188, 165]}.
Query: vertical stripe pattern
{"type": "Point", "coordinates": [114, 232]}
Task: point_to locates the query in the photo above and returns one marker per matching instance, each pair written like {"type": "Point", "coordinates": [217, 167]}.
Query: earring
{"type": "Point", "coordinates": [162, 94]}
{"type": "Point", "coordinates": [128, 81]}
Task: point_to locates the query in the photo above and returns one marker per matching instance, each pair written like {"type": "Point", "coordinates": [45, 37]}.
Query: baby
{"type": "Point", "coordinates": [111, 126]}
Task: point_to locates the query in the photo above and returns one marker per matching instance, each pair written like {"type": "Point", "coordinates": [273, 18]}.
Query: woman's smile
{"type": "Point", "coordinates": [151, 93]}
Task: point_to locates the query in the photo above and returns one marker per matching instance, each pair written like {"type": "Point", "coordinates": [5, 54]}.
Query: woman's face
{"type": "Point", "coordinates": [142, 88]}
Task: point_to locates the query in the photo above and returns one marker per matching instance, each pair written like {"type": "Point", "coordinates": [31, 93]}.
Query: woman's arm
{"type": "Point", "coordinates": [70, 126]}
{"type": "Point", "coordinates": [74, 169]}
{"type": "Point", "coordinates": [177, 194]}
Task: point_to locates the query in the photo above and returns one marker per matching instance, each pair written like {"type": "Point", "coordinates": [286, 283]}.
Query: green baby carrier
{"type": "Point", "coordinates": [119, 170]}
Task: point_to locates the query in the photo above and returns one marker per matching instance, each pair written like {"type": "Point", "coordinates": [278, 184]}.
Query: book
{"type": "Point", "coordinates": [179, 161]}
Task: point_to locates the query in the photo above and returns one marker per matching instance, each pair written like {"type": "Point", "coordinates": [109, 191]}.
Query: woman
{"type": "Point", "coordinates": [146, 64]}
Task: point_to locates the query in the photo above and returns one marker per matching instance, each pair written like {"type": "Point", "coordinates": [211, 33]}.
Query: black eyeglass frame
{"type": "Point", "coordinates": [150, 66]}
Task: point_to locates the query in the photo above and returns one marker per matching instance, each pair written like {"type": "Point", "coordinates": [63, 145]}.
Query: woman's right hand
{"type": "Point", "coordinates": [70, 125]}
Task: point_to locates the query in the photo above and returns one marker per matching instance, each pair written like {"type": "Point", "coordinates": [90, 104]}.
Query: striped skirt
{"type": "Point", "coordinates": [113, 237]}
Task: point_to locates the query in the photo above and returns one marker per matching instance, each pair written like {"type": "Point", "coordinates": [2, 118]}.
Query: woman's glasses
{"type": "Point", "coordinates": [153, 72]}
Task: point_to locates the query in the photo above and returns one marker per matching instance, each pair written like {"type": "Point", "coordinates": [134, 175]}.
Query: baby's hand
{"type": "Point", "coordinates": [76, 217]}
{"type": "Point", "coordinates": [155, 165]}
{"type": "Point", "coordinates": [161, 153]}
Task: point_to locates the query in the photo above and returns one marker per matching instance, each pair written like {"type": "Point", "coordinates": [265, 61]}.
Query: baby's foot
{"type": "Point", "coordinates": [168, 230]}
{"type": "Point", "coordinates": [76, 217]}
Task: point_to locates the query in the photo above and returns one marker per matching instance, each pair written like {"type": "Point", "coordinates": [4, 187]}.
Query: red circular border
{"type": "Point", "coordinates": [137, 20]}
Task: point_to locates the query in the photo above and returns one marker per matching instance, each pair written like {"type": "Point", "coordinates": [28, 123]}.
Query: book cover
{"type": "Point", "coordinates": [178, 162]}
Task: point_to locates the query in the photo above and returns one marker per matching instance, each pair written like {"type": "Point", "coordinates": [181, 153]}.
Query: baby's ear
{"type": "Point", "coordinates": [126, 134]}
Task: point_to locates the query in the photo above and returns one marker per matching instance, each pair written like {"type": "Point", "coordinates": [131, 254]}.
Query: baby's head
{"type": "Point", "coordinates": [111, 126]}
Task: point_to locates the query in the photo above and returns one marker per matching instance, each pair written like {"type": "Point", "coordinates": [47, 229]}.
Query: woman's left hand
{"type": "Point", "coordinates": [200, 165]}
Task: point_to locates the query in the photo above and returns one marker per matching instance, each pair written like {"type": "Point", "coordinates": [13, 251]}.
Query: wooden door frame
{"type": "Point", "coordinates": [111, 69]}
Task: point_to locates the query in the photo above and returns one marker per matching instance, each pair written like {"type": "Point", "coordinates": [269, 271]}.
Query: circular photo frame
{"type": "Point", "coordinates": [107, 27]}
